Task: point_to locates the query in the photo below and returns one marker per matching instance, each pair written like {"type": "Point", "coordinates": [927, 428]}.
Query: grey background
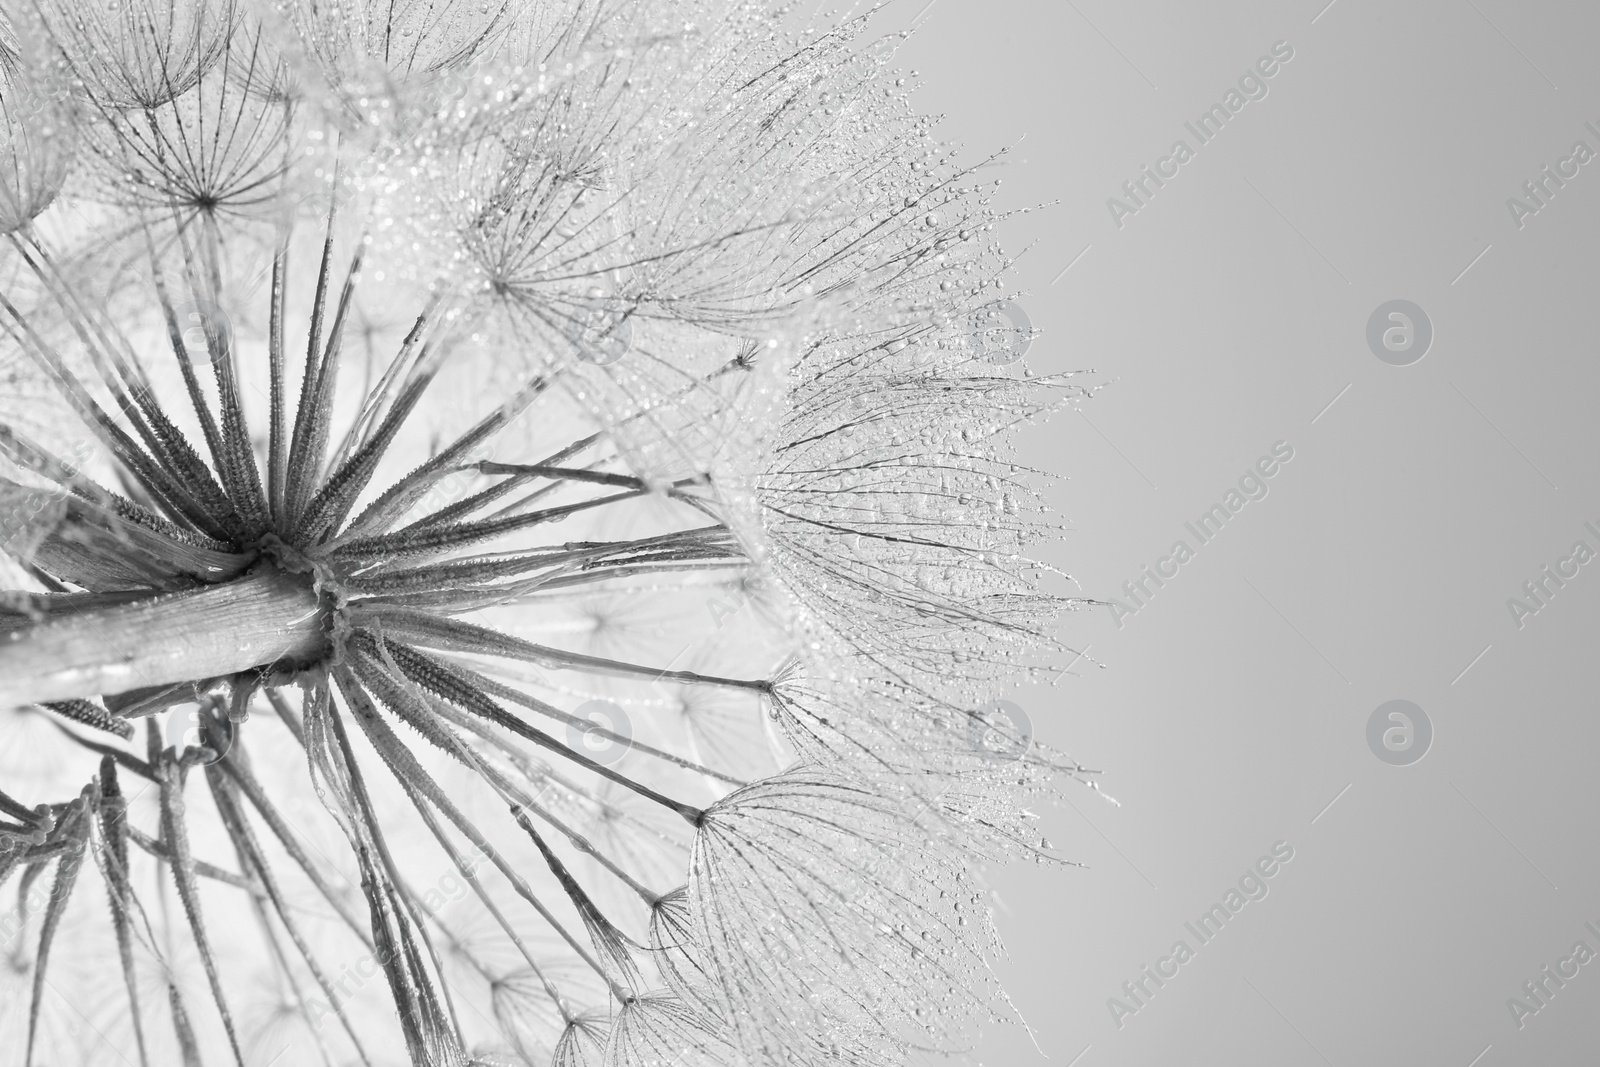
{"type": "Point", "coordinates": [1232, 710]}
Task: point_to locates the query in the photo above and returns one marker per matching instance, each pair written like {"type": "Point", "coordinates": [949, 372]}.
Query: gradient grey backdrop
{"type": "Point", "coordinates": [1232, 709]}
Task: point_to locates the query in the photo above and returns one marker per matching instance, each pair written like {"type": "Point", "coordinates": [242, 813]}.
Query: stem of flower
{"type": "Point", "coordinates": [266, 617]}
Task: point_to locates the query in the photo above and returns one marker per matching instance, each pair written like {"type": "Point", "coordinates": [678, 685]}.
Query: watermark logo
{"type": "Point", "coordinates": [1542, 188]}
{"type": "Point", "coordinates": [452, 487]}
{"type": "Point", "coordinates": [449, 889]}
{"type": "Point", "coordinates": [1252, 85]}
{"type": "Point", "coordinates": [608, 734]}
{"type": "Point", "coordinates": [1250, 888]}
{"type": "Point", "coordinates": [27, 516]}
{"type": "Point", "coordinates": [605, 332]}
{"type": "Point", "coordinates": [1252, 486]}
{"type": "Point", "coordinates": [1399, 732]}
{"type": "Point", "coordinates": [199, 321]}
{"type": "Point", "coordinates": [1551, 579]}
{"type": "Point", "coordinates": [1540, 990]}
{"type": "Point", "coordinates": [1001, 333]}
{"type": "Point", "coordinates": [203, 727]}
{"type": "Point", "coordinates": [1000, 730]}
{"type": "Point", "coordinates": [1399, 332]}
{"type": "Point", "coordinates": [742, 595]}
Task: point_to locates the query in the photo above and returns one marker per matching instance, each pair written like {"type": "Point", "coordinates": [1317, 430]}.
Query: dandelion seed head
{"type": "Point", "coordinates": [38, 130]}
{"type": "Point", "coordinates": [138, 53]}
{"type": "Point", "coordinates": [551, 444]}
